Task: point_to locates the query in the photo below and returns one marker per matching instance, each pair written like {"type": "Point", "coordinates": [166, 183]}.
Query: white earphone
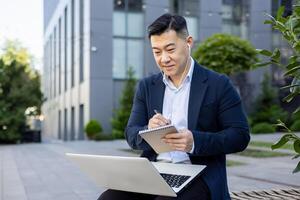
{"type": "Point", "coordinates": [189, 46]}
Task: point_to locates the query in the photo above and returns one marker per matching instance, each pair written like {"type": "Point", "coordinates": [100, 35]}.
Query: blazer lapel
{"type": "Point", "coordinates": [158, 95]}
{"type": "Point", "coordinates": [197, 92]}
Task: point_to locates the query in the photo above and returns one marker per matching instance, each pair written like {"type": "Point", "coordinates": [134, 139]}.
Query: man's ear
{"type": "Point", "coordinates": [190, 41]}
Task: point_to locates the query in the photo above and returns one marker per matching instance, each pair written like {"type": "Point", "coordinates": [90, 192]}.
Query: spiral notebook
{"type": "Point", "coordinates": [153, 137]}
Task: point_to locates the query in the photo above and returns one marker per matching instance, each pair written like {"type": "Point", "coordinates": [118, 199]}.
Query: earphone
{"type": "Point", "coordinates": [189, 46]}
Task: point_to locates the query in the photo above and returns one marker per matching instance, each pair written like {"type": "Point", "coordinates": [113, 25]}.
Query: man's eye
{"type": "Point", "coordinates": [171, 50]}
{"type": "Point", "coordinates": [157, 52]}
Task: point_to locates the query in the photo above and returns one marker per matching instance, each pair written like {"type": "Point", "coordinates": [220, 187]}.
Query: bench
{"type": "Point", "coordinates": [286, 194]}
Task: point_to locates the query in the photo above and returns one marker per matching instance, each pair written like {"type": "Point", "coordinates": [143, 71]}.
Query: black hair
{"type": "Point", "coordinates": [168, 22]}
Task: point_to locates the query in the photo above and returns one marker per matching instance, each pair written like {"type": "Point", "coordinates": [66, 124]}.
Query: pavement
{"type": "Point", "coordinates": [41, 171]}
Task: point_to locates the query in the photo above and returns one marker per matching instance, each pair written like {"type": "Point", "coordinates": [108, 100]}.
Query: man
{"type": "Point", "coordinates": [201, 103]}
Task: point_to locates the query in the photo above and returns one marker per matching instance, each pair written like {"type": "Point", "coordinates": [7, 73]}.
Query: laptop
{"type": "Point", "coordinates": [136, 174]}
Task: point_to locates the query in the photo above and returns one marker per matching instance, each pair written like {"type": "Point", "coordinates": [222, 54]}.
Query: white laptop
{"type": "Point", "coordinates": [136, 174]}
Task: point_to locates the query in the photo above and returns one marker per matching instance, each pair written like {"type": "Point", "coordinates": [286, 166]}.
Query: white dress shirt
{"type": "Point", "coordinates": [175, 108]}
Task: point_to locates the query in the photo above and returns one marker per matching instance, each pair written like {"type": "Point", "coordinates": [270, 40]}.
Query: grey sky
{"type": "Point", "coordinates": [23, 20]}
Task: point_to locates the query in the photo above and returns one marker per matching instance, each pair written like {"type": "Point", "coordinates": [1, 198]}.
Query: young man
{"type": "Point", "coordinates": [201, 103]}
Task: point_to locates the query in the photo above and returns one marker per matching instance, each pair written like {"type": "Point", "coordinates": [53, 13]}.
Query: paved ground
{"type": "Point", "coordinates": [41, 171]}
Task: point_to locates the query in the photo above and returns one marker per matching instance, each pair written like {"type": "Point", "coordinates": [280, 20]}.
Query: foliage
{"type": "Point", "coordinates": [263, 128]}
{"type": "Point", "coordinates": [266, 106]}
{"type": "Point", "coordinates": [102, 137]}
{"type": "Point", "coordinates": [226, 54]}
{"type": "Point", "coordinates": [93, 129]}
{"type": "Point", "coordinates": [119, 121]}
{"type": "Point", "coordinates": [288, 146]}
{"type": "Point", "coordinates": [296, 126]}
{"type": "Point", "coordinates": [19, 90]}
{"type": "Point", "coordinates": [289, 27]}
{"type": "Point", "coordinates": [257, 153]}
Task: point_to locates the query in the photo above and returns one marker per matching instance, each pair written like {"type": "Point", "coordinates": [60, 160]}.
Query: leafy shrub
{"type": "Point", "coordinates": [296, 126]}
{"type": "Point", "coordinates": [288, 26]}
{"type": "Point", "coordinates": [99, 137]}
{"type": "Point", "coordinates": [263, 128]}
{"type": "Point", "coordinates": [266, 106]}
{"type": "Point", "coordinates": [119, 121]}
{"type": "Point", "coordinates": [93, 129]}
{"type": "Point", "coordinates": [226, 54]}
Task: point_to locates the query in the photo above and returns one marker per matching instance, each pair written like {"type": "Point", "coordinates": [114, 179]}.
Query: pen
{"type": "Point", "coordinates": [156, 112]}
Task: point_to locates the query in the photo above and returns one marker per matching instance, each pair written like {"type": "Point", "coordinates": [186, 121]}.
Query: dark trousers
{"type": "Point", "coordinates": [197, 190]}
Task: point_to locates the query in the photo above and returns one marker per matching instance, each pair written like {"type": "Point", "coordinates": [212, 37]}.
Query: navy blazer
{"type": "Point", "coordinates": [215, 117]}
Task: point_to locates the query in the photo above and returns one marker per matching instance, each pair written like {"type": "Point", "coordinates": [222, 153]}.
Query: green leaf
{"type": "Point", "coordinates": [264, 52]}
{"type": "Point", "coordinates": [289, 86]}
{"type": "Point", "coordinates": [280, 12]}
{"type": "Point", "coordinates": [283, 140]}
{"type": "Point", "coordinates": [276, 55]}
{"type": "Point", "coordinates": [297, 169]}
{"type": "Point", "coordinates": [290, 97]}
{"type": "Point", "coordinates": [281, 124]}
{"type": "Point", "coordinates": [297, 110]}
{"type": "Point", "coordinates": [268, 22]}
{"type": "Point", "coordinates": [261, 64]}
{"type": "Point", "coordinates": [297, 146]}
{"type": "Point", "coordinates": [292, 59]}
{"type": "Point", "coordinates": [296, 156]}
{"type": "Point", "coordinates": [291, 71]}
{"type": "Point", "coordinates": [292, 65]}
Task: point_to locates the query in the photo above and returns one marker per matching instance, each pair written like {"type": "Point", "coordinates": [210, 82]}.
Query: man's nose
{"type": "Point", "coordinates": [165, 57]}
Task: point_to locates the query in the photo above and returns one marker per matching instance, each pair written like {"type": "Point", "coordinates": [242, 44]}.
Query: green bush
{"type": "Point", "coordinates": [296, 125]}
{"type": "Point", "coordinates": [119, 121]}
{"type": "Point", "coordinates": [99, 137]}
{"type": "Point", "coordinates": [266, 106]}
{"type": "Point", "coordinates": [226, 54]}
{"type": "Point", "coordinates": [288, 26]}
{"type": "Point", "coordinates": [263, 128]}
{"type": "Point", "coordinates": [93, 129]}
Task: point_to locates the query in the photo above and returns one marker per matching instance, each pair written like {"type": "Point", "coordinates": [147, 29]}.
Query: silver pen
{"type": "Point", "coordinates": [156, 112]}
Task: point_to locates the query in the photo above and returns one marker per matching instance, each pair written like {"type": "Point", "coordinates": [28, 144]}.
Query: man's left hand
{"type": "Point", "coordinates": [181, 141]}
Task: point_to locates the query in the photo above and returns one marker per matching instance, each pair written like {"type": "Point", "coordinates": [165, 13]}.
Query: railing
{"type": "Point", "coordinates": [282, 194]}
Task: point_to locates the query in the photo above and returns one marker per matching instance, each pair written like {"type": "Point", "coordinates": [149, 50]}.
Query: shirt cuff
{"type": "Point", "coordinates": [192, 151]}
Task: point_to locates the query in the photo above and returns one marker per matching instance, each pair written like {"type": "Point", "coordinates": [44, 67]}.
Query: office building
{"type": "Point", "coordinates": [89, 45]}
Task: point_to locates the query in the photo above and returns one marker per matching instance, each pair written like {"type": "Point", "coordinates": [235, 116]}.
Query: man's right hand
{"type": "Point", "coordinates": [158, 120]}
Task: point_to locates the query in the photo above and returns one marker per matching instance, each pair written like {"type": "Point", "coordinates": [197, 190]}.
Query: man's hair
{"type": "Point", "coordinates": [168, 22]}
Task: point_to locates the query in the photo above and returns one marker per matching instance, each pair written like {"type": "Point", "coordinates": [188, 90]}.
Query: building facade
{"type": "Point", "coordinates": [90, 44]}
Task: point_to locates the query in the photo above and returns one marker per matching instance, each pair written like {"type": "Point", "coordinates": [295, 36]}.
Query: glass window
{"type": "Point", "coordinates": [72, 43]}
{"type": "Point", "coordinates": [190, 11]}
{"type": "Point", "coordinates": [135, 56]}
{"type": "Point", "coordinates": [119, 23]}
{"type": "Point", "coordinates": [192, 25]}
{"type": "Point", "coordinates": [128, 30]}
{"type": "Point", "coordinates": [235, 14]}
{"type": "Point", "coordinates": [81, 40]}
{"type": "Point", "coordinates": [59, 56]}
{"type": "Point", "coordinates": [119, 58]}
{"type": "Point", "coordinates": [135, 24]}
{"type": "Point", "coordinates": [81, 122]}
{"type": "Point", "coordinates": [66, 47]}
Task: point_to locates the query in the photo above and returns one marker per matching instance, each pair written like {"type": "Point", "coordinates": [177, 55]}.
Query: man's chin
{"type": "Point", "coordinates": [169, 73]}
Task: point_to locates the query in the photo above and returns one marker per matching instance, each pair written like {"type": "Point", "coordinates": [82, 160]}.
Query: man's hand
{"type": "Point", "coordinates": [182, 141]}
{"type": "Point", "coordinates": [158, 120]}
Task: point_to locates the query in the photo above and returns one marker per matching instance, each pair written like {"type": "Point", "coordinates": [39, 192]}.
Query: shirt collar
{"type": "Point", "coordinates": [188, 77]}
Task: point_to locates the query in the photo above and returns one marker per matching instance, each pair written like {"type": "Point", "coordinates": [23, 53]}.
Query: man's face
{"type": "Point", "coordinates": [171, 53]}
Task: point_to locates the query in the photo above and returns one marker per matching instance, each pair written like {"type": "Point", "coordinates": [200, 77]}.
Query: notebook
{"type": "Point", "coordinates": [154, 137]}
{"type": "Point", "coordinates": [137, 174]}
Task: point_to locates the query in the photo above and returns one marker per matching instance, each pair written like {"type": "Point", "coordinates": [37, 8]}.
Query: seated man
{"type": "Point", "coordinates": [202, 104]}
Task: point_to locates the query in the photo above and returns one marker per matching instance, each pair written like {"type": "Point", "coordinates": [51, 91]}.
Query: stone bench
{"type": "Point", "coordinates": [286, 194]}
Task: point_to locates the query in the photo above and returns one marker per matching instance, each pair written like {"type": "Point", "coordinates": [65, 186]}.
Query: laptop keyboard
{"type": "Point", "coordinates": [174, 180]}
